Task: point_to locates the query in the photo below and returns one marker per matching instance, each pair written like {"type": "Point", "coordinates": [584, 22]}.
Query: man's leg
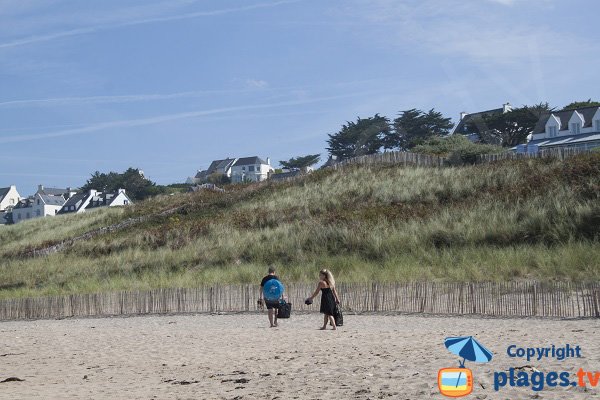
{"type": "Point", "coordinates": [271, 316]}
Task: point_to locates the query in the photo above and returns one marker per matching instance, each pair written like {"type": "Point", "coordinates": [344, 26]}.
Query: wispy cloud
{"type": "Point", "coordinates": [463, 30]}
{"type": "Point", "coordinates": [256, 83]}
{"type": "Point", "coordinates": [115, 99]}
{"type": "Point", "coordinates": [102, 27]}
{"type": "Point", "coordinates": [166, 118]}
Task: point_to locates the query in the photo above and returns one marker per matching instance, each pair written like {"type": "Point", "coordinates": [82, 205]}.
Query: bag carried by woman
{"type": "Point", "coordinates": [338, 315]}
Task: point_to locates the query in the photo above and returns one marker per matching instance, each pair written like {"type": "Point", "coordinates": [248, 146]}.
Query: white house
{"type": "Point", "coordinates": [82, 202]}
{"type": "Point", "coordinates": [250, 169]}
{"type": "Point", "coordinates": [37, 206]}
{"type": "Point", "coordinates": [219, 167]}
{"type": "Point", "coordinates": [9, 197]}
{"type": "Point", "coordinates": [578, 129]}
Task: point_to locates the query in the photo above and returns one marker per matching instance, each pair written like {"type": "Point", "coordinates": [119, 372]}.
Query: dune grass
{"type": "Point", "coordinates": [530, 219]}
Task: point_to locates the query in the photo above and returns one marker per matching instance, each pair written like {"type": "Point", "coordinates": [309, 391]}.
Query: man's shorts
{"type": "Point", "coordinates": [272, 304]}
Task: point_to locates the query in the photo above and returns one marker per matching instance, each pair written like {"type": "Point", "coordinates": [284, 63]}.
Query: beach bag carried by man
{"type": "Point", "coordinates": [338, 315]}
{"type": "Point", "coordinates": [285, 309]}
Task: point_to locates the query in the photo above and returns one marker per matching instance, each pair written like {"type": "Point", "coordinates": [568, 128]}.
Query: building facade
{"type": "Point", "coordinates": [567, 129]}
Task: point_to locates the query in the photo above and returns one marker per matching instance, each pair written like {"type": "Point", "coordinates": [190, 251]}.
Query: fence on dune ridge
{"type": "Point", "coordinates": [394, 157]}
{"type": "Point", "coordinates": [509, 299]}
{"type": "Point", "coordinates": [426, 160]}
{"type": "Point", "coordinates": [559, 153]}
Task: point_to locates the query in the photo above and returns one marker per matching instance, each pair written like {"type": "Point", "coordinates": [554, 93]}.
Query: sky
{"type": "Point", "coordinates": [167, 86]}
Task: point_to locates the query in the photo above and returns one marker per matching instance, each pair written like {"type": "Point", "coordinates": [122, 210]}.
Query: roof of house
{"type": "Point", "coordinates": [75, 200]}
{"type": "Point", "coordinates": [214, 166]}
{"type": "Point", "coordinates": [24, 203]}
{"type": "Point", "coordinates": [3, 192]}
{"type": "Point", "coordinates": [567, 140]}
{"type": "Point", "coordinates": [53, 191]}
{"type": "Point", "coordinates": [51, 200]}
{"type": "Point", "coordinates": [249, 161]}
{"type": "Point", "coordinates": [564, 116]}
{"type": "Point", "coordinates": [475, 118]}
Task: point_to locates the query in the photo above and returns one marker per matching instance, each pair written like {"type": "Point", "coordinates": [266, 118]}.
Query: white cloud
{"type": "Point", "coordinates": [256, 83]}
{"type": "Point", "coordinates": [465, 29]}
{"type": "Point", "coordinates": [140, 21]}
{"type": "Point", "coordinates": [166, 118]}
{"type": "Point", "coordinates": [504, 2]}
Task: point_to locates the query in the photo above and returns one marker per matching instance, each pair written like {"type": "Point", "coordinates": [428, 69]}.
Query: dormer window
{"type": "Point", "coordinates": [575, 128]}
{"type": "Point", "coordinates": [597, 123]}
{"type": "Point", "coordinates": [552, 130]}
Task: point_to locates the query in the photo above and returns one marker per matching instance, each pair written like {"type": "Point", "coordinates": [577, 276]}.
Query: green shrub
{"type": "Point", "coordinates": [457, 148]}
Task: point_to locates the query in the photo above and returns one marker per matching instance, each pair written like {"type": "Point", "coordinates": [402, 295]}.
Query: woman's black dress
{"type": "Point", "coordinates": [327, 301]}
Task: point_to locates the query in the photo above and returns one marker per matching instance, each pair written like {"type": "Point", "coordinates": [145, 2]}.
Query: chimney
{"type": "Point", "coordinates": [462, 115]}
{"type": "Point", "coordinates": [506, 107]}
{"type": "Point", "coordinates": [40, 188]}
{"type": "Point", "coordinates": [268, 160]}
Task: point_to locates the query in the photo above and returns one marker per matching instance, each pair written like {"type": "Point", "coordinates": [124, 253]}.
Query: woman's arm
{"type": "Point", "coordinates": [317, 290]}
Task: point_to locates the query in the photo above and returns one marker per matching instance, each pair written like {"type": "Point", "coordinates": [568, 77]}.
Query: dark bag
{"type": "Point", "coordinates": [285, 309]}
{"type": "Point", "coordinates": [338, 315]}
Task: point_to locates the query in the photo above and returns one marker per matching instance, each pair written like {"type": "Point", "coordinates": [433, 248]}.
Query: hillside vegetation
{"type": "Point", "coordinates": [527, 219]}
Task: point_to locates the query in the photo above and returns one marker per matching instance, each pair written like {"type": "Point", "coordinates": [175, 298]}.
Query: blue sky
{"type": "Point", "coordinates": [169, 85]}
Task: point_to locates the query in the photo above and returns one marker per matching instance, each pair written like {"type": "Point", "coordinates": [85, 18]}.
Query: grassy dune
{"type": "Point", "coordinates": [514, 220]}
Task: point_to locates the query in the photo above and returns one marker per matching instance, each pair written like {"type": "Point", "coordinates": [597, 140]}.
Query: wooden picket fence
{"type": "Point", "coordinates": [509, 299]}
{"type": "Point", "coordinates": [560, 154]}
{"type": "Point", "coordinates": [394, 157]}
{"type": "Point", "coordinates": [425, 160]}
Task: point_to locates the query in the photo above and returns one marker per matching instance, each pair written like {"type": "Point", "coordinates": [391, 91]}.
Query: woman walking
{"type": "Point", "coordinates": [329, 297]}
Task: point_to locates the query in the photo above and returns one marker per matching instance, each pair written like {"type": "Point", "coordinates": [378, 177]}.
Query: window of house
{"type": "Point", "coordinates": [125, 202]}
{"type": "Point", "coordinates": [598, 125]}
{"type": "Point", "coordinates": [575, 128]}
{"type": "Point", "coordinates": [38, 202]}
{"type": "Point", "coordinates": [243, 168]}
{"type": "Point", "coordinates": [38, 212]}
{"type": "Point", "coordinates": [552, 131]}
{"type": "Point", "coordinates": [251, 168]}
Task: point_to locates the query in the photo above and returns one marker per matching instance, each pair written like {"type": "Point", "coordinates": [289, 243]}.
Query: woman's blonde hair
{"type": "Point", "coordinates": [328, 277]}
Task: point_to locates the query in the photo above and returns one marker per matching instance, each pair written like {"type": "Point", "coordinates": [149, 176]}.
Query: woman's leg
{"type": "Point", "coordinates": [332, 322]}
{"type": "Point", "coordinates": [325, 319]}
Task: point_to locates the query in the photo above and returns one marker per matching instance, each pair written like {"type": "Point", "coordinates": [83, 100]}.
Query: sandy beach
{"type": "Point", "coordinates": [239, 357]}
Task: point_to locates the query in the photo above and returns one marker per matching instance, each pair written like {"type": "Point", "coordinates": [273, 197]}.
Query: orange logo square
{"type": "Point", "coordinates": [455, 382]}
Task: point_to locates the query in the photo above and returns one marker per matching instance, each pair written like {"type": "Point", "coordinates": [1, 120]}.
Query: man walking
{"type": "Point", "coordinates": [271, 289]}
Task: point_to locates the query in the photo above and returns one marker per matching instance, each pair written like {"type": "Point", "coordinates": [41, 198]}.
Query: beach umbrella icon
{"type": "Point", "coordinates": [469, 349]}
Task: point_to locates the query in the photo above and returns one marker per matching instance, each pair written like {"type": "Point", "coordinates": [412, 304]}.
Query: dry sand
{"type": "Point", "coordinates": [239, 357]}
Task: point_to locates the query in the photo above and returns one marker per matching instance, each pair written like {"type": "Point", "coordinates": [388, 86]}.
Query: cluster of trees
{"type": "Point", "coordinates": [414, 128]}
{"type": "Point", "coordinates": [137, 186]}
{"type": "Point", "coordinates": [369, 135]}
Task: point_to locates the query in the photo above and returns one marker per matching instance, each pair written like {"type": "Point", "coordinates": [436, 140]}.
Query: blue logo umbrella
{"type": "Point", "coordinates": [469, 349]}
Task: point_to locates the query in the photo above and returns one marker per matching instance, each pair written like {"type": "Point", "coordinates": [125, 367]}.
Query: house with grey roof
{"type": "Point", "coordinates": [473, 124]}
{"type": "Point", "coordinates": [37, 206]}
{"type": "Point", "coordinates": [9, 198]}
{"type": "Point", "coordinates": [82, 202]}
{"type": "Point", "coordinates": [217, 167]}
{"type": "Point", "coordinates": [66, 193]}
{"type": "Point", "coordinates": [251, 169]}
{"type": "Point", "coordinates": [572, 129]}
